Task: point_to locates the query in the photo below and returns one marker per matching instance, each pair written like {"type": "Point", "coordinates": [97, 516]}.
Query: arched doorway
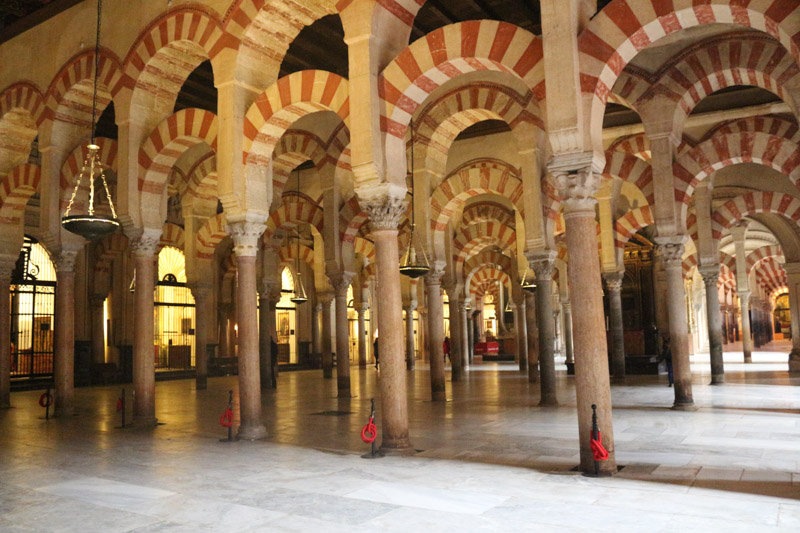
{"type": "Point", "coordinates": [32, 291]}
{"type": "Point", "coordinates": [286, 321]}
{"type": "Point", "coordinates": [173, 314]}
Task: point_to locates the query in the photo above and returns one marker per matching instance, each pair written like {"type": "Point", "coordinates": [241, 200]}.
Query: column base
{"type": "Point", "coordinates": [343, 388]}
{"type": "Point", "coordinates": [548, 401]}
{"type": "Point", "coordinates": [439, 396]}
{"type": "Point", "coordinates": [397, 450]}
{"type": "Point", "coordinates": [604, 468]}
{"type": "Point", "coordinates": [255, 432]}
{"type": "Point", "coordinates": [684, 406]}
{"type": "Point", "coordinates": [570, 369]}
{"type": "Point", "coordinates": [64, 412]}
{"type": "Point", "coordinates": [717, 379]}
{"type": "Point", "coordinates": [201, 382]}
{"type": "Point", "coordinates": [617, 380]}
{"type": "Point", "coordinates": [327, 373]}
{"type": "Point", "coordinates": [145, 421]}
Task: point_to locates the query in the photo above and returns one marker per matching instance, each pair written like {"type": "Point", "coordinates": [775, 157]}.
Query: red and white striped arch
{"type": "Point", "coordinates": [16, 188]}
{"type": "Point", "coordinates": [777, 125]}
{"type": "Point", "coordinates": [286, 101]}
{"type": "Point", "coordinates": [172, 235]}
{"type": "Point", "coordinates": [294, 148]}
{"type": "Point", "coordinates": [294, 210]}
{"type": "Point", "coordinates": [210, 235]}
{"type": "Point", "coordinates": [202, 181]}
{"type": "Point", "coordinates": [759, 254]}
{"type": "Point", "coordinates": [179, 132]}
{"type": "Point", "coordinates": [23, 95]}
{"type": "Point", "coordinates": [706, 158]}
{"type": "Point", "coordinates": [353, 220]}
{"type": "Point", "coordinates": [487, 211]}
{"type": "Point", "coordinates": [106, 251]}
{"type": "Point", "coordinates": [751, 204]}
{"type": "Point", "coordinates": [770, 275]}
{"type": "Point", "coordinates": [472, 239]}
{"type": "Point", "coordinates": [623, 28]}
{"type": "Point", "coordinates": [631, 223]}
{"type": "Point", "coordinates": [445, 54]}
{"type": "Point", "coordinates": [288, 255]}
{"type": "Point", "coordinates": [637, 145]}
{"type": "Point", "coordinates": [631, 169]}
{"type": "Point", "coordinates": [22, 111]}
{"type": "Point", "coordinates": [365, 247]}
{"type": "Point", "coordinates": [485, 281]}
{"type": "Point", "coordinates": [487, 258]}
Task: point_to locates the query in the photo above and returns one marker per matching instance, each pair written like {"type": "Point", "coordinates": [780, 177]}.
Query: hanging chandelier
{"type": "Point", "coordinates": [412, 265]}
{"type": "Point", "coordinates": [299, 294]}
{"type": "Point", "coordinates": [528, 284]}
{"type": "Point", "coordinates": [92, 225]}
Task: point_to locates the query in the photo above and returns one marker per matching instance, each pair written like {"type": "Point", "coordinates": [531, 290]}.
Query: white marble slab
{"type": "Point", "coordinates": [105, 492]}
{"type": "Point", "coordinates": [427, 498]}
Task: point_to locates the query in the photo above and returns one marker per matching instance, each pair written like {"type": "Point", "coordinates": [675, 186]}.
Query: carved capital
{"type": "Point", "coordinates": [710, 274]}
{"type": "Point", "coordinates": [65, 260]}
{"type": "Point", "coordinates": [325, 297]}
{"type": "Point", "coordinates": [744, 298]}
{"type": "Point", "coordinates": [671, 250]}
{"type": "Point", "coordinates": [201, 291]}
{"type": "Point", "coordinates": [245, 237]}
{"type": "Point", "coordinates": [362, 308]}
{"type": "Point", "coordinates": [270, 290]}
{"type": "Point", "coordinates": [577, 189]}
{"type": "Point", "coordinates": [543, 264]}
{"type": "Point", "coordinates": [614, 280]}
{"type": "Point", "coordinates": [7, 264]}
{"type": "Point", "coordinates": [385, 212]}
{"type": "Point", "coordinates": [341, 283]}
{"type": "Point", "coordinates": [434, 276]}
{"type": "Point", "coordinates": [146, 243]}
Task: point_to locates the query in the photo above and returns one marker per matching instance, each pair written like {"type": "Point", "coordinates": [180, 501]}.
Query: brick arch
{"type": "Point", "coordinates": [288, 255]}
{"type": "Point", "coordinates": [353, 219]}
{"type": "Point", "coordinates": [16, 188]}
{"type": "Point", "coordinates": [22, 112]}
{"type": "Point", "coordinates": [294, 148]}
{"type": "Point", "coordinates": [725, 150]}
{"type": "Point", "coordinates": [770, 275]}
{"type": "Point", "coordinates": [482, 280]}
{"type": "Point", "coordinates": [429, 62]}
{"type": "Point", "coordinates": [73, 165]}
{"type": "Point", "coordinates": [24, 95]}
{"type": "Point", "coordinates": [759, 254]}
{"type": "Point", "coordinates": [168, 141]}
{"type": "Point", "coordinates": [487, 211]}
{"type": "Point", "coordinates": [625, 27]}
{"type": "Point", "coordinates": [172, 235]}
{"type": "Point", "coordinates": [631, 169]}
{"type": "Point", "coordinates": [753, 203]}
{"type": "Point", "coordinates": [484, 259]}
{"type": "Point", "coordinates": [636, 145]}
{"type": "Point", "coordinates": [293, 210]}
{"type": "Point", "coordinates": [630, 224]}
{"type": "Point", "coordinates": [473, 178]}
{"type": "Point", "coordinates": [478, 236]}
{"type": "Point", "coordinates": [365, 247]}
{"type": "Point", "coordinates": [202, 180]}
{"type": "Point", "coordinates": [443, 119]}
{"type": "Point", "coordinates": [210, 235]}
{"type": "Point", "coordinates": [776, 125]}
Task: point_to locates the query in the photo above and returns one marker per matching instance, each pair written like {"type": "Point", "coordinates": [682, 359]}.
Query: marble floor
{"type": "Point", "coordinates": [490, 459]}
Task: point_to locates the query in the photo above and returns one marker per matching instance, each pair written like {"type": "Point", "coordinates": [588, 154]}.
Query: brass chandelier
{"type": "Point", "coordinates": [299, 295]}
{"type": "Point", "coordinates": [413, 265]}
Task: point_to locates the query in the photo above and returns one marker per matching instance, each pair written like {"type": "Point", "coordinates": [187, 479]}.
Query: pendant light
{"type": "Point", "coordinates": [528, 285]}
{"type": "Point", "coordinates": [91, 225]}
{"type": "Point", "coordinates": [299, 294]}
{"type": "Point", "coordinates": [411, 265]}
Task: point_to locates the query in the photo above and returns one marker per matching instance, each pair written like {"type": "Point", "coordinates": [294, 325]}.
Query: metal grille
{"type": "Point", "coordinates": [174, 325]}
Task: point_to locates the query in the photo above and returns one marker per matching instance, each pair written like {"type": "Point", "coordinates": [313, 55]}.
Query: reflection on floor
{"type": "Point", "coordinates": [491, 459]}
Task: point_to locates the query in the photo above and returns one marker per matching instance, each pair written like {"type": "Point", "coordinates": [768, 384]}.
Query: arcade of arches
{"type": "Point", "coordinates": [637, 161]}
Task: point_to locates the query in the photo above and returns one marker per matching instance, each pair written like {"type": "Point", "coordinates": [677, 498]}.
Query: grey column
{"type": "Point", "coordinates": [6, 265]}
{"type": "Point", "coordinates": [566, 307]}
{"type": "Point", "coordinates": [522, 335]}
{"type": "Point", "coordinates": [341, 284]}
{"type": "Point", "coordinates": [98, 336]}
{"type": "Point", "coordinates": [464, 334]}
{"type": "Point", "coordinates": [747, 338]}
{"type": "Point", "coordinates": [316, 333]}
{"type": "Point", "coordinates": [614, 285]}
{"type": "Point", "coordinates": [410, 349]}
{"type": "Point", "coordinates": [202, 327]}
{"type": "Point", "coordinates": [362, 335]}
{"type": "Point", "coordinates": [533, 337]}
{"type": "Point", "coordinates": [455, 337]}
{"type": "Point", "coordinates": [710, 275]}
{"type": "Point", "coordinates": [327, 355]}
{"type": "Point", "coordinates": [543, 265]}
{"type": "Point", "coordinates": [435, 333]}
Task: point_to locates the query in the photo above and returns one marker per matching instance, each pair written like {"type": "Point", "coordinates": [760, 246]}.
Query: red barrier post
{"type": "Point", "coordinates": [369, 433]}
{"type": "Point", "coordinates": [599, 451]}
{"type": "Point", "coordinates": [46, 400]}
{"type": "Point", "coordinates": [226, 420]}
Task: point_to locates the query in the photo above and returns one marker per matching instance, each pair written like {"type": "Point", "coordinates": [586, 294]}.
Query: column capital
{"type": "Point", "coordinates": [614, 280]}
{"type": "Point", "coordinates": [410, 308]}
{"type": "Point", "coordinates": [200, 289]}
{"type": "Point", "coordinates": [65, 260]}
{"type": "Point", "coordinates": [671, 249]}
{"type": "Point", "coordinates": [744, 297]}
{"type": "Point", "coordinates": [245, 235]}
{"type": "Point", "coordinates": [325, 297]}
{"type": "Point", "coordinates": [362, 308]}
{"type": "Point", "coordinates": [385, 210]}
{"type": "Point", "coordinates": [341, 282]}
{"type": "Point", "coordinates": [434, 275]}
{"type": "Point", "coordinates": [710, 274]}
{"type": "Point", "coordinates": [576, 189]}
{"type": "Point", "coordinates": [7, 264]}
{"type": "Point", "coordinates": [543, 263]}
{"type": "Point", "coordinates": [146, 242]}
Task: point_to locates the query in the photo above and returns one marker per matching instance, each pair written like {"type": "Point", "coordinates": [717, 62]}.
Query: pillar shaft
{"type": "Point", "coordinates": [543, 264]}
{"type": "Point", "coordinates": [64, 360]}
{"type": "Point", "coordinates": [592, 384]}
{"type": "Point", "coordinates": [362, 336]}
{"type": "Point", "coordinates": [98, 334]}
{"type": "Point", "coordinates": [533, 338]}
{"type": "Point", "coordinates": [522, 335]}
{"type": "Point", "coordinates": [144, 379]}
{"type": "Point", "coordinates": [793, 281]}
{"type": "Point", "coordinates": [464, 330]}
{"type": "Point", "coordinates": [327, 353]}
{"type": "Point", "coordinates": [410, 347]}
{"type": "Point", "coordinates": [566, 307]}
{"type": "Point", "coordinates": [714, 318]}
{"type": "Point", "coordinates": [341, 284]}
{"type": "Point", "coordinates": [614, 284]}
{"type": "Point", "coordinates": [456, 369]}
{"type": "Point", "coordinates": [316, 333]}
{"type": "Point", "coordinates": [436, 334]}
{"type": "Point", "coordinates": [747, 337]}
{"type": "Point", "coordinates": [202, 328]}
{"type": "Point", "coordinates": [5, 336]}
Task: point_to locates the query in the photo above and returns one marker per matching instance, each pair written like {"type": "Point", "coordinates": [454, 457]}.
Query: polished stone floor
{"type": "Point", "coordinates": [491, 459]}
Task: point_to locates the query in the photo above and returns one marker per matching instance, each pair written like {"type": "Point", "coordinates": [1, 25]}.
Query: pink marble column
{"type": "Point", "coordinates": [6, 266]}
{"type": "Point", "coordinates": [341, 282]}
{"type": "Point", "coordinates": [592, 382]}
{"type": "Point", "coordinates": [202, 331]}
{"type": "Point", "coordinates": [566, 307]}
{"type": "Point", "coordinates": [144, 368]}
{"type": "Point", "coordinates": [245, 239]}
{"type": "Point", "coordinates": [64, 358]}
{"type": "Point", "coordinates": [385, 213]}
{"type": "Point", "coordinates": [671, 250]}
{"type": "Point", "coordinates": [614, 284]}
{"type": "Point", "coordinates": [433, 291]}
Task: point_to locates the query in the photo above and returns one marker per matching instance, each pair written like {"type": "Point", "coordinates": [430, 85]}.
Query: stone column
{"type": "Point", "coordinates": [98, 331]}
{"type": "Point", "coordinates": [470, 337]}
{"type": "Point", "coordinates": [6, 267]}
{"type": "Point", "coordinates": [436, 333]}
{"type": "Point", "coordinates": [747, 338]}
{"type": "Point", "coordinates": [64, 357]}
{"type": "Point", "coordinates": [532, 337]}
{"type": "Point", "coordinates": [410, 349]}
{"type": "Point", "coordinates": [456, 369]}
{"type": "Point", "coordinates": [341, 282]}
{"type": "Point", "coordinates": [385, 213]}
{"type": "Point", "coordinates": [268, 298]}
{"type": "Point", "coordinates": [671, 250]}
{"type": "Point", "coordinates": [710, 275]}
{"type": "Point", "coordinates": [245, 237]}
{"type": "Point", "coordinates": [316, 333]}
{"type": "Point", "coordinates": [464, 331]}
{"type": "Point", "coordinates": [202, 332]}
{"type": "Point", "coordinates": [543, 264]}
{"type": "Point", "coordinates": [566, 308]}
{"type": "Point", "coordinates": [362, 335]}
{"type": "Point", "coordinates": [325, 299]}
{"type": "Point", "coordinates": [614, 284]}
{"type": "Point", "coordinates": [592, 382]}
{"type": "Point", "coordinates": [144, 371]}
{"type": "Point", "coordinates": [522, 335]}
{"type": "Point", "coordinates": [223, 318]}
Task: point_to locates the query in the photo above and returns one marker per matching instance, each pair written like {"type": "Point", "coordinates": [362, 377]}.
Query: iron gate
{"type": "Point", "coordinates": [174, 325]}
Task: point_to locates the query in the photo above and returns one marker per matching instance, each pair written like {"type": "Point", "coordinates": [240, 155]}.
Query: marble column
{"type": "Point", "coordinates": [435, 333]}
{"type": "Point", "coordinates": [410, 348]}
{"type": "Point", "coordinates": [614, 285]}
{"type": "Point", "coordinates": [747, 338]}
{"type": "Point", "coordinates": [710, 275]}
{"type": "Point", "coordinates": [98, 330]}
{"type": "Point", "coordinates": [470, 337]}
{"type": "Point", "coordinates": [269, 296]}
{"type": "Point", "coordinates": [533, 337]}
{"type": "Point", "coordinates": [592, 382]}
{"type": "Point", "coordinates": [325, 299]}
{"type": "Point", "coordinates": [6, 267]}
{"type": "Point", "coordinates": [543, 264]}
{"type": "Point", "coordinates": [64, 357]}
{"type": "Point", "coordinates": [522, 335]}
{"type": "Point", "coordinates": [316, 331]}
{"type": "Point", "coordinates": [245, 237]}
{"type": "Point", "coordinates": [793, 282]}
{"type": "Point", "coordinates": [202, 330]}
{"type": "Point", "coordinates": [464, 331]}
{"type": "Point", "coordinates": [224, 317]}
{"type": "Point", "coordinates": [144, 378]}
{"type": "Point", "coordinates": [566, 308]}
{"type": "Point", "coordinates": [341, 282]}
{"type": "Point", "coordinates": [454, 302]}
{"type": "Point", "coordinates": [671, 250]}
{"type": "Point", "coordinates": [385, 212]}
{"type": "Point", "coordinates": [362, 335]}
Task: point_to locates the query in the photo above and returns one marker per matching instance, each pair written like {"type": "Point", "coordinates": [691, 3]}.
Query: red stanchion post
{"type": "Point", "coordinates": [121, 407]}
{"type": "Point", "coordinates": [599, 451]}
{"type": "Point", "coordinates": [226, 420]}
{"type": "Point", "coordinates": [46, 400]}
{"type": "Point", "coordinates": [369, 433]}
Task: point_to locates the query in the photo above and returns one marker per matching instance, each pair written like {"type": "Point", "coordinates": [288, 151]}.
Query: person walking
{"type": "Point", "coordinates": [375, 352]}
{"type": "Point", "coordinates": [446, 349]}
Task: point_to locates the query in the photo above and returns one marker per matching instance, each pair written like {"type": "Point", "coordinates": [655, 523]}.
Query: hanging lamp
{"type": "Point", "coordinates": [299, 294]}
{"type": "Point", "coordinates": [92, 225]}
{"type": "Point", "coordinates": [412, 265]}
{"type": "Point", "coordinates": [528, 285]}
